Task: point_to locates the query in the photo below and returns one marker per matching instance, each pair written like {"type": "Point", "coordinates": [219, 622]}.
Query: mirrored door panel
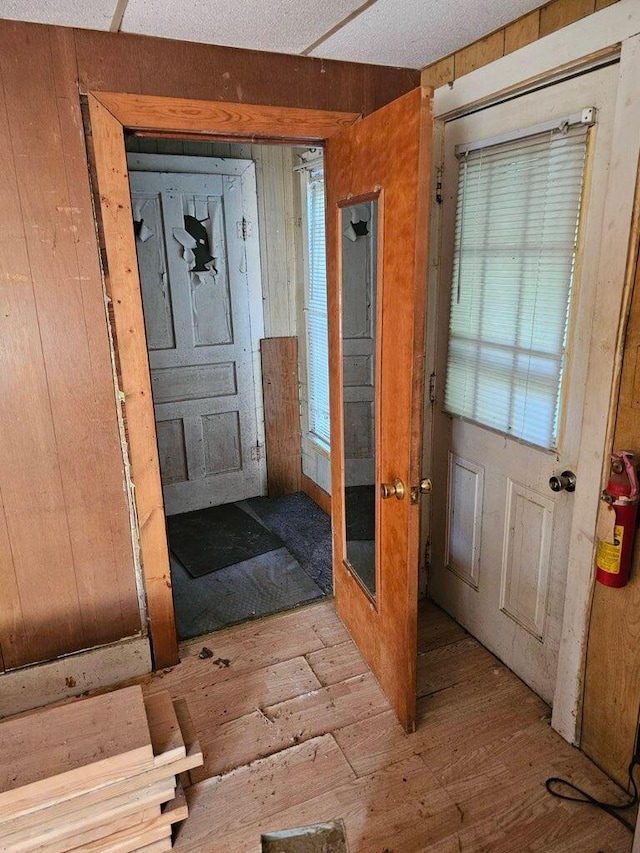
{"type": "Point", "coordinates": [377, 197]}
{"type": "Point", "coordinates": [359, 272]}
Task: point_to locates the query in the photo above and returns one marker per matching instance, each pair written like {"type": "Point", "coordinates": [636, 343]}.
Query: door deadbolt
{"type": "Point", "coordinates": [390, 490]}
{"type": "Point", "coordinates": [424, 487]}
{"type": "Point", "coordinates": [565, 481]}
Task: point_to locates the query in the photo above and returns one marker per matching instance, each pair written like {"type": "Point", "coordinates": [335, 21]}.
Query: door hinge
{"type": "Point", "coordinates": [432, 387]}
{"type": "Point", "coordinates": [438, 182]}
{"type": "Point", "coordinates": [244, 229]}
{"type": "Point", "coordinates": [257, 452]}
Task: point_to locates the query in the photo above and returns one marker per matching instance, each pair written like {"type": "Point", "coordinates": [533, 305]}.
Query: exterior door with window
{"type": "Point", "coordinates": [377, 199]}
{"type": "Point", "coordinates": [523, 189]}
{"type": "Point", "coordinates": [197, 244]}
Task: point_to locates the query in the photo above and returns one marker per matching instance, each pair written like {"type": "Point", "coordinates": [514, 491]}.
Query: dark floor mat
{"type": "Point", "coordinates": [208, 540]}
{"type": "Point", "coordinates": [360, 512]}
{"type": "Point", "coordinates": [267, 584]}
{"type": "Point", "coordinates": [304, 528]}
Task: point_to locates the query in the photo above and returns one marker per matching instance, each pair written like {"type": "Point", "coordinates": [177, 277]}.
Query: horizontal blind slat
{"type": "Point", "coordinates": [316, 313]}
{"type": "Point", "coordinates": [514, 251]}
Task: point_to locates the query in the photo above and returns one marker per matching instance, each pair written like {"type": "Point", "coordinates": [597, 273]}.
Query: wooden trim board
{"type": "Point", "coordinates": [34, 686]}
{"type": "Point", "coordinates": [149, 830]}
{"type": "Point", "coordinates": [214, 119]}
{"type": "Point", "coordinates": [316, 493]}
{"type": "Point", "coordinates": [127, 787]}
{"type": "Point", "coordinates": [42, 763]}
{"type": "Point", "coordinates": [89, 824]}
{"type": "Point", "coordinates": [110, 113]}
{"type": "Point", "coordinates": [279, 357]}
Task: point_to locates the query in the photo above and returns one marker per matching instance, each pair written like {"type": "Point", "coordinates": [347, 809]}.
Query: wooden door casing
{"type": "Point", "coordinates": [110, 113]}
{"type": "Point", "coordinates": [386, 155]}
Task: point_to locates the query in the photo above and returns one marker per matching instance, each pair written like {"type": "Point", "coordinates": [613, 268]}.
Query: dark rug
{"type": "Point", "coordinates": [208, 540]}
{"type": "Point", "coordinates": [360, 509]}
{"type": "Point", "coordinates": [267, 584]}
{"type": "Point", "coordinates": [304, 528]}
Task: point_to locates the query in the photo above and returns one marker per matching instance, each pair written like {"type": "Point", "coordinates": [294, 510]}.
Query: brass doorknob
{"type": "Point", "coordinates": [390, 489]}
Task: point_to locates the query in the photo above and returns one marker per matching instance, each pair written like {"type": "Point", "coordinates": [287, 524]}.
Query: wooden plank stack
{"type": "Point", "coordinates": [100, 775]}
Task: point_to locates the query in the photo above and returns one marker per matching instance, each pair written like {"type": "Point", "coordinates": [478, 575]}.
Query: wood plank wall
{"type": "Point", "coordinates": [68, 582]}
{"type": "Point", "coordinates": [66, 563]}
{"type": "Point", "coordinates": [612, 687]}
{"type": "Point", "coordinates": [281, 414]}
{"type": "Point", "coordinates": [541, 22]}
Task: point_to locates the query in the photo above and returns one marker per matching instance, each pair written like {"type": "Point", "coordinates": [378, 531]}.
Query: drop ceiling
{"type": "Point", "coordinates": [408, 33]}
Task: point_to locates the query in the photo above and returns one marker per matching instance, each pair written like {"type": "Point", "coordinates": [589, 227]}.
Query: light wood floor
{"type": "Point", "coordinates": [295, 730]}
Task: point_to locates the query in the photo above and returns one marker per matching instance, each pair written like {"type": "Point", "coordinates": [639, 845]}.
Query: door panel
{"type": "Point", "coordinates": [500, 537]}
{"type": "Point", "coordinates": [383, 159]}
{"type": "Point", "coordinates": [201, 336]}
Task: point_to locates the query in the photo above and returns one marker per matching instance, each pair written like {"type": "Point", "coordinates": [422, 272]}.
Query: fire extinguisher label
{"type": "Point", "coordinates": [608, 559]}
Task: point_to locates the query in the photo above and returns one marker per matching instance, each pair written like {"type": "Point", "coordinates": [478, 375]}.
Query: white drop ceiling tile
{"type": "Point", "coordinates": [284, 26]}
{"type": "Point", "coordinates": [414, 33]}
{"type": "Point", "coordinates": [85, 14]}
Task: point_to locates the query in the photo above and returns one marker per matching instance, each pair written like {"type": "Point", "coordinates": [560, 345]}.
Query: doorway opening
{"type": "Point", "coordinates": [229, 237]}
{"type": "Point", "coordinates": [524, 183]}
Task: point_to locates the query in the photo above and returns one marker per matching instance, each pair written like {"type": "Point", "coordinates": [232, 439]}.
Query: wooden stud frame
{"type": "Point", "coordinates": [111, 113]}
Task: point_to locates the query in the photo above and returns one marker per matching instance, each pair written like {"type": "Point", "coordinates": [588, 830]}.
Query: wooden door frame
{"type": "Point", "coordinates": [110, 114]}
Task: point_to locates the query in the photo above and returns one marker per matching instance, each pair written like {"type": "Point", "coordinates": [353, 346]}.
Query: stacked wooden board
{"type": "Point", "coordinates": [99, 775]}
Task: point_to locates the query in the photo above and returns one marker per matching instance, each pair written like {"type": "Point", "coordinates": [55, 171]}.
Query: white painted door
{"type": "Point", "coordinates": [198, 257]}
{"type": "Point", "coordinates": [500, 537]}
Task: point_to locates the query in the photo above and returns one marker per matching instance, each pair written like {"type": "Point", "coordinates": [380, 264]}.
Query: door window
{"type": "Point", "coordinates": [514, 256]}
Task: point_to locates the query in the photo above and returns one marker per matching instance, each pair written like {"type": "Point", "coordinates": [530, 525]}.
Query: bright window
{"type": "Point", "coordinates": [514, 256]}
{"type": "Point", "coordinates": [316, 312]}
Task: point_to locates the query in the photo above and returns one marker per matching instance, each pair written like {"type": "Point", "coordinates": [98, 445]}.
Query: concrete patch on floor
{"type": "Point", "coordinates": [319, 838]}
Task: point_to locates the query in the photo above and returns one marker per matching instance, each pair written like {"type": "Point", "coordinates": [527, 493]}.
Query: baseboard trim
{"type": "Point", "coordinates": [316, 493]}
{"type": "Point", "coordinates": [35, 686]}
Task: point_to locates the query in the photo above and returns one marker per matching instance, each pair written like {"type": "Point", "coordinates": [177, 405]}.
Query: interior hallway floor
{"type": "Point", "coordinates": [295, 730]}
{"type": "Point", "coordinates": [238, 582]}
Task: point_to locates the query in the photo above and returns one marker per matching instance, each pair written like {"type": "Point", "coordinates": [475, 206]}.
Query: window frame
{"type": "Point", "coordinates": [308, 173]}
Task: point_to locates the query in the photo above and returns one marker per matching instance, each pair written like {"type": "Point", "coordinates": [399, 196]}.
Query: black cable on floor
{"type": "Point", "coordinates": [610, 808]}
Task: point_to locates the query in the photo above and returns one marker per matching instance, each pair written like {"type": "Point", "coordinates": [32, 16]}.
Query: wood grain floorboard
{"type": "Point", "coordinates": [213, 703]}
{"type": "Point", "coordinates": [399, 808]}
{"type": "Point", "coordinates": [295, 730]}
{"type": "Point", "coordinates": [337, 663]}
{"type": "Point", "coordinates": [233, 802]}
{"type": "Point", "coordinates": [271, 728]}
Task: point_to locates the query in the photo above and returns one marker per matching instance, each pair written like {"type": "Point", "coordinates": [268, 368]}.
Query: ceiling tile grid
{"type": "Point", "coordinates": [282, 26]}
{"type": "Point", "coordinates": [84, 14]}
{"type": "Point", "coordinates": [414, 33]}
{"type": "Point", "coordinates": [406, 33]}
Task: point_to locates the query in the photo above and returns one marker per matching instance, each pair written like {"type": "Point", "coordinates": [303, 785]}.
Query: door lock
{"type": "Point", "coordinates": [390, 490]}
{"type": "Point", "coordinates": [424, 487]}
{"type": "Point", "coordinates": [566, 481]}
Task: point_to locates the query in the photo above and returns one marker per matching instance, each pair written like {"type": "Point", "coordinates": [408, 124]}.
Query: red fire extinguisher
{"type": "Point", "coordinates": [615, 552]}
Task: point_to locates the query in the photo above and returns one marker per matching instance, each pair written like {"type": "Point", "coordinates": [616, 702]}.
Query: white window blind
{"type": "Point", "coordinates": [514, 253]}
{"type": "Point", "coordinates": [317, 345]}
